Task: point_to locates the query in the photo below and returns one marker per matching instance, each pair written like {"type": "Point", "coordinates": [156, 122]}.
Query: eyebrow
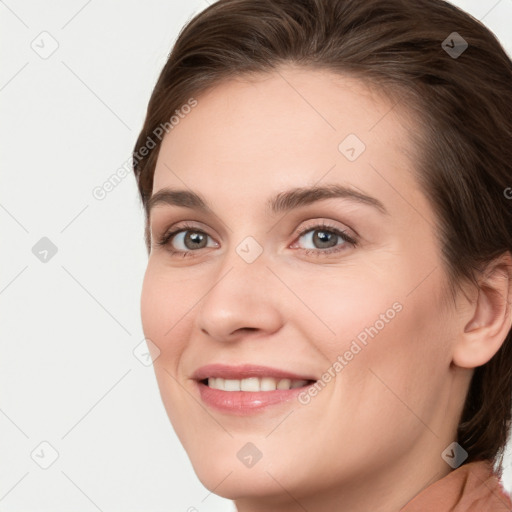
{"type": "Point", "coordinates": [281, 202]}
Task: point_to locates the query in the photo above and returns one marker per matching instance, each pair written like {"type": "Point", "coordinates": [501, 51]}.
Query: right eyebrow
{"type": "Point", "coordinates": [173, 197]}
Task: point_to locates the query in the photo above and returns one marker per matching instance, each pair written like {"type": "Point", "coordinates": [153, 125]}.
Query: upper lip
{"type": "Point", "coordinates": [244, 371]}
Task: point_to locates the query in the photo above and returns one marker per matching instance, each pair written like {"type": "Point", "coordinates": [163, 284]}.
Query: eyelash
{"type": "Point", "coordinates": [167, 238]}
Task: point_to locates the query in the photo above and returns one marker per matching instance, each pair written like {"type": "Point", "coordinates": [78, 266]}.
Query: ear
{"type": "Point", "coordinates": [487, 319]}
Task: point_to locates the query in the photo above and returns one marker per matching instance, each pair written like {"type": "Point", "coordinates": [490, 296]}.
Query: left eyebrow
{"type": "Point", "coordinates": [281, 202]}
{"type": "Point", "coordinates": [285, 201]}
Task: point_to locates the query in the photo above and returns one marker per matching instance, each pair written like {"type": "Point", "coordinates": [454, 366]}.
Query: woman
{"type": "Point", "coordinates": [327, 297]}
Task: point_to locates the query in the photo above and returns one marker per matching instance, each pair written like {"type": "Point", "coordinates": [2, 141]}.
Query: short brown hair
{"type": "Point", "coordinates": [463, 105]}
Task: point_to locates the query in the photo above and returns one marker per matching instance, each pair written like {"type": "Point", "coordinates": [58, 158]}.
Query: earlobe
{"type": "Point", "coordinates": [490, 316]}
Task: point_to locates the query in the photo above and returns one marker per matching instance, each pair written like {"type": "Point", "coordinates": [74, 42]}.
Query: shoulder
{"type": "Point", "coordinates": [473, 487]}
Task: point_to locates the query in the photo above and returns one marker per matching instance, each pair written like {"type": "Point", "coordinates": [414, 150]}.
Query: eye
{"type": "Point", "coordinates": [326, 238]}
{"type": "Point", "coordinates": [187, 238]}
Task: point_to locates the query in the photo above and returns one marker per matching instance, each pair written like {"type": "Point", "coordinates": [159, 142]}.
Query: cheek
{"type": "Point", "coordinates": [379, 329]}
{"type": "Point", "coordinates": [150, 306]}
{"type": "Point", "coordinates": [343, 306]}
{"type": "Point", "coordinates": [164, 307]}
{"type": "Point", "coordinates": [404, 366]}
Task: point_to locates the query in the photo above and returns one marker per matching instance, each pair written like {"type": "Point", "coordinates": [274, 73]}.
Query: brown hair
{"type": "Point", "coordinates": [462, 105]}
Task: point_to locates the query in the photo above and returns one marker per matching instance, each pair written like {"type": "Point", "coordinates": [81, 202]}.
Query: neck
{"type": "Point", "coordinates": [387, 488]}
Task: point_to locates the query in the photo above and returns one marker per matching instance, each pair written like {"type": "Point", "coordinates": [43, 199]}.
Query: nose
{"type": "Point", "coordinates": [242, 298]}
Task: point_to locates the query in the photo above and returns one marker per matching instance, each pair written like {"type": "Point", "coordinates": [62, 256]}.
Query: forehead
{"type": "Point", "coordinates": [293, 127]}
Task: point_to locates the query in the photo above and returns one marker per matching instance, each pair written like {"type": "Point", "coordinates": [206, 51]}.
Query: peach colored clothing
{"type": "Point", "coordinates": [472, 487]}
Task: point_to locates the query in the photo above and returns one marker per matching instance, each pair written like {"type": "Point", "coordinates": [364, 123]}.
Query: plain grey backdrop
{"type": "Point", "coordinates": [82, 424]}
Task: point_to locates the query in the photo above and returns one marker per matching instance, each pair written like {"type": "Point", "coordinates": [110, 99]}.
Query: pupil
{"type": "Point", "coordinates": [195, 238]}
{"type": "Point", "coordinates": [323, 237]}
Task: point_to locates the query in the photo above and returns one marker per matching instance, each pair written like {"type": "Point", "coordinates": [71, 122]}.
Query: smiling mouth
{"type": "Point", "coordinates": [254, 384]}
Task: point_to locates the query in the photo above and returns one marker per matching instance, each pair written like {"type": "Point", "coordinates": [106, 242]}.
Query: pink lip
{"type": "Point", "coordinates": [242, 403]}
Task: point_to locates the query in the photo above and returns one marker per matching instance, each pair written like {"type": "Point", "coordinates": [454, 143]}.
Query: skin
{"type": "Point", "coordinates": [357, 445]}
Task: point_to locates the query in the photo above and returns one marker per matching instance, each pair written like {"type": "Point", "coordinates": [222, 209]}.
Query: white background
{"type": "Point", "coordinates": [68, 373]}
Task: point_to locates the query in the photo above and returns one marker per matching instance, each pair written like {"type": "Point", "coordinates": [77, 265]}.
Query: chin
{"type": "Point", "coordinates": [229, 481]}
{"type": "Point", "coordinates": [226, 468]}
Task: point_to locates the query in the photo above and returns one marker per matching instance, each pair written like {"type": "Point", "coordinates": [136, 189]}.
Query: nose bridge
{"type": "Point", "coordinates": [238, 296]}
{"type": "Point", "coordinates": [246, 255]}
{"type": "Point", "coordinates": [243, 274]}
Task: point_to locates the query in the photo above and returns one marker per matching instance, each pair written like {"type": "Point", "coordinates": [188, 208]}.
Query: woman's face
{"type": "Point", "coordinates": [264, 284]}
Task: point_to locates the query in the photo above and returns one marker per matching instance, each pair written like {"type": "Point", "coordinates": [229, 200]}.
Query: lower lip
{"type": "Point", "coordinates": [246, 402]}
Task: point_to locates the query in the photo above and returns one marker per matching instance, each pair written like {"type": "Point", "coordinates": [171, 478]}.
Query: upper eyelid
{"type": "Point", "coordinates": [317, 209]}
{"type": "Point", "coordinates": [298, 232]}
{"type": "Point", "coordinates": [187, 225]}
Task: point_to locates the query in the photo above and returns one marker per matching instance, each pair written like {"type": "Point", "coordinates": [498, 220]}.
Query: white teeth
{"type": "Point", "coordinates": [268, 384]}
{"type": "Point", "coordinates": [231, 385]}
{"type": "Point", "coordinates": [284, 384]}
{"type": "Point", "coordinates": [254, 384]}
{"type": "Point", "coordinates": [251, 384]}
